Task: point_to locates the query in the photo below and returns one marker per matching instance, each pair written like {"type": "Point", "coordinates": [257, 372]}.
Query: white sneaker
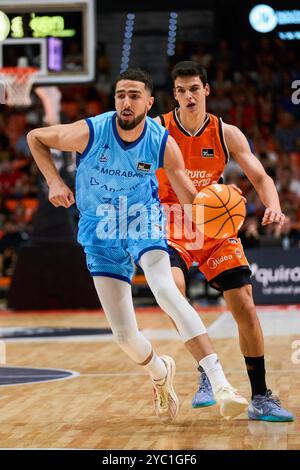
{"type": "Point", "coordinates": [231, 402]}
{"type": "Point", "coordinates": [166, 403]}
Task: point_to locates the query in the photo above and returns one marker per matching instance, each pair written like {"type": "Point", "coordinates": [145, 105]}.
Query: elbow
{"type": "Point", "coordinates": [31, 136]}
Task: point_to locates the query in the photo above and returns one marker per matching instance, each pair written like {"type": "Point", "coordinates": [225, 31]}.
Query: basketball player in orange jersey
{"type": "Point", "coordinates": [206, 143]}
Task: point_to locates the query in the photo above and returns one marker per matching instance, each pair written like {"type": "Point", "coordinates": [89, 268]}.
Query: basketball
{"type": "Point", "coordinates": [219, 211]}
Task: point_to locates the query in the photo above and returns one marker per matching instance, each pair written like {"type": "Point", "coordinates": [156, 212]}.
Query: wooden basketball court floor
{"type": "Point", "coordinates": [108, 403]}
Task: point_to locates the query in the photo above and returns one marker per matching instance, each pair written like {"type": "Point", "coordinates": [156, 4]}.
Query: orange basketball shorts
{"type": "Point", "coordinates": [215, 258]}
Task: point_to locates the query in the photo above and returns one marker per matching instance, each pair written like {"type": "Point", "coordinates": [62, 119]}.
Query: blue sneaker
{"type": "Point", "coordinates": [268, 408]}
{"type": "Point", "coordinates": [204, 396]}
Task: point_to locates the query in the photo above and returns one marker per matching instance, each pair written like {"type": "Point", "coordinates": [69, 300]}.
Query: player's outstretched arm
{"type": "Point", "coordinates": [175, 170]}
{"type": "Point", "coordinates": [238, 146]}
{"type": "Point", "coordinates": [65, 137]}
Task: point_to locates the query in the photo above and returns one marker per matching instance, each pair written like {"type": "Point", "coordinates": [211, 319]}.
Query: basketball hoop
{"type": "Point", "coordinates": [18, 82]}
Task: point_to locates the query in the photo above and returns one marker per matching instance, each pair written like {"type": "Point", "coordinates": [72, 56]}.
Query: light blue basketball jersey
{"type": "Point", "coordinates": [109, 168]}
{"type": "Point", "coordinates": [110, 171]}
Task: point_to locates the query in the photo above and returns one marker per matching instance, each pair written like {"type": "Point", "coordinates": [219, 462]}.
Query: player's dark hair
{"type": "Point", "coordinates": [137, 75]}
{"type": "Point", "coordinates": [188, 68]}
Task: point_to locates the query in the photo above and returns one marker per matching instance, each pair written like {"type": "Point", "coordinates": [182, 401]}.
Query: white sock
{"type": "Point", "coordinates": [156, 368]}
{"type": "Point", "coordinates": [214, 371]}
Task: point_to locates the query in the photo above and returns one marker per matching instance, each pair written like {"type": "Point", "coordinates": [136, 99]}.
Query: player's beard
{"type": "Point", "coordinates": [129, 125]}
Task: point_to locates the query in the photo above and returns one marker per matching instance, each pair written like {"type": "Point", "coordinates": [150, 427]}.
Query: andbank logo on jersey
{"type": "Point", "coordinates": [122, 220]}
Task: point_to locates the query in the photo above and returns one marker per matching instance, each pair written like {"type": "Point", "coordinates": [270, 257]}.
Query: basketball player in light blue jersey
{"type": "Point", "coordinates": [121, 222]}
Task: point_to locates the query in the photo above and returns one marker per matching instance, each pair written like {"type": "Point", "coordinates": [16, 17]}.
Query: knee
{"type": "Point", "coordinates": [162, 294]}
{"type": "Point", "coordinates": [245, 314]}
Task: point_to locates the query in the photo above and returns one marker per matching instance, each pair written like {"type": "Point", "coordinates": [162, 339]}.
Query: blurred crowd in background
{"type": "Point", "coordinates": [250, 88]}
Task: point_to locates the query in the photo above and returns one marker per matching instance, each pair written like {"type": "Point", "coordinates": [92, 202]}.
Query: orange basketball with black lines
{"type": "Point", "coordinates": [219, 211]}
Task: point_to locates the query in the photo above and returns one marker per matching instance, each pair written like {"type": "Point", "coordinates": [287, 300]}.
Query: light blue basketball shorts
{"type": "Point", "coordinates": [116, 258]}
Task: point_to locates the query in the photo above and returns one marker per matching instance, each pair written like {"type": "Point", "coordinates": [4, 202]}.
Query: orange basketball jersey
{"type": "Point", "coordinates": [205, 154]}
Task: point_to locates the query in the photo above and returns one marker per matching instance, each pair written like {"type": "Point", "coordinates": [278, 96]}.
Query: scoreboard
{"type": "Point", "coordinates": [57, 37]}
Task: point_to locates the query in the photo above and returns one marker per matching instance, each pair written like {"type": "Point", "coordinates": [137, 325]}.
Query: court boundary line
{"type": "Point", "coordinates": [145, 309]}
{"type": "Point", "coordinates": [178, 373]}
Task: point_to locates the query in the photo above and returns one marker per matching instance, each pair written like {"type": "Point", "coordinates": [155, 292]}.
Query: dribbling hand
{"type": "Point", "coordinates": [273, 216]}
{"type": "Point", "coordinates": [60, 194]}
{"type": "Point", "coordinates": [234, 186]}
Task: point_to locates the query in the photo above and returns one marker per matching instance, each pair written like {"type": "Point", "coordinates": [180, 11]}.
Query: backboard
{"type": "Point", "coordinates": [57, 37]}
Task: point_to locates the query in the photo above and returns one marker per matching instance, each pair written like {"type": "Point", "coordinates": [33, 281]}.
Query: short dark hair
{"type": "Point", "coordinates": [188, 68]}
{"type": "Point", "coordinates": [137, 75]}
